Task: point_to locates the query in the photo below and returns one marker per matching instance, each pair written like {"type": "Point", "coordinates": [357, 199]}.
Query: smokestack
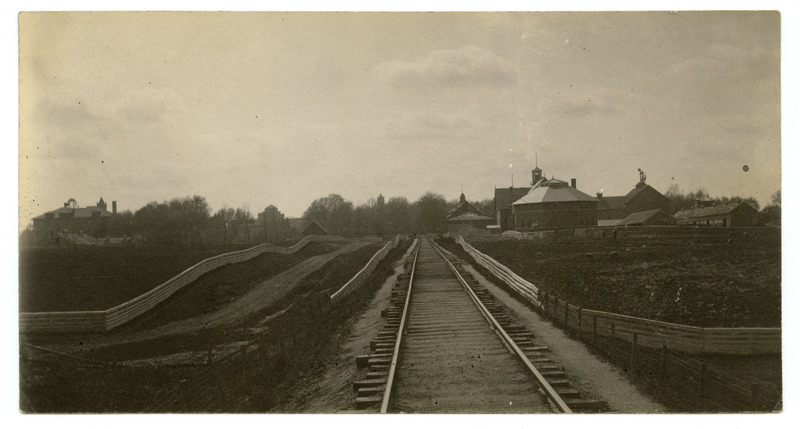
{"type": "Point", "coordinates": [573, 182]}
{"type": "Point", "coordinates": [114, 207]}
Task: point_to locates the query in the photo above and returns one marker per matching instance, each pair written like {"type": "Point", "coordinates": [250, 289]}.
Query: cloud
{"type": "Point", "coordinates": [469, 66]}
{"type": "Point", "coordinates": [431, 125]}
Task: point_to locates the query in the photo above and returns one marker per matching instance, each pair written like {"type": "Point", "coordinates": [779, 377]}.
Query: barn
{"type": "Point", "coordinates": [466, 220]}
{"type": "Point", "coordinates": [611, 210]}
{"type": "Point", "coordinates": [733, 214]}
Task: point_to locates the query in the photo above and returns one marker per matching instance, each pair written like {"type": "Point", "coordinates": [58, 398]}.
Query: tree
{"type": "Point", "coordinates": [397, 215]}
{"type": "Point", "coordinates": [333, 212]}
{"type": "Point", "coordinates": [772, 212]}
{"type": "Point", "coordinates": [429, 213]}
{"type": "Point", "coordinates": [274, 224]}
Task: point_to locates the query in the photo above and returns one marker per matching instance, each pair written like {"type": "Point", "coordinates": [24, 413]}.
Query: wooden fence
{"type": "Point", "coordinates": [361, 276]}
{"type": "Point", "coordinates": [657, 353]}
{"type": "Point", "coordinates": [104, 320]}
{"type": "Point", "coordinates": [653, 333]}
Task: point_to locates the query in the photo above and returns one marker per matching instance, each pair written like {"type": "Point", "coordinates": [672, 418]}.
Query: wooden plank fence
{"type": "Point", "coordinates": [104, 320]}
{"type": "Point", "coordinates": [653, 333]}
{"type": "Point", "coordinates": [361, 276]}
{"type": "Point", "coordinates": [657, 353]}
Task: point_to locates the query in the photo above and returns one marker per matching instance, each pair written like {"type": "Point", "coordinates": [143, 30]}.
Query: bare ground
{"type": "Point", "coordinates": [260, 296]}
{"type": "Point", "coordinates": [329, 390]}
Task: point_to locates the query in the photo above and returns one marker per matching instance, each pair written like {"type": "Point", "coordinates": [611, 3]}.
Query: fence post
{"type": "Point", "coordinates": [546, 304]}
{"type": "Point", "coordinates": [555, 309]}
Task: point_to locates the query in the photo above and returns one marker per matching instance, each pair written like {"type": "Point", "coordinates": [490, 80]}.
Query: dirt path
{"type": "Point", "coordinates": [260, 296]}
{"type": "Point", "coordinates": [603, 380]}
{"type": "Point", "coordinates": [330, 390]}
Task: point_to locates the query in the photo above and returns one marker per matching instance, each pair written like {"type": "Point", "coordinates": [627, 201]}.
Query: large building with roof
{"type": "Point", "coordinates": [465, 219]}
{"type": "Point", "coordinates": [72, 224]}
{"type": "Point", "coordinates": [553, 204]}
{"type": "Point", "coordinates": [642, 198]}
{"type": "Point", "coordinates": [733, 214]}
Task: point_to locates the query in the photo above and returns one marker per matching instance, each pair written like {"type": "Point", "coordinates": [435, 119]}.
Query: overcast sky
{"type": "Point", "coordinates": [284, 108]}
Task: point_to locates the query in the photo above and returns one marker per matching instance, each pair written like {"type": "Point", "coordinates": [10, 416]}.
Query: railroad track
{"type": "Point", "coordinates": [446, 347]}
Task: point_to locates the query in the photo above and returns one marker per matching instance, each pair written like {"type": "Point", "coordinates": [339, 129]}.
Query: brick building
{"type": "Point", "coordinates": [72, 224]}
{"type": "Point", "coordinates": [553, 204]}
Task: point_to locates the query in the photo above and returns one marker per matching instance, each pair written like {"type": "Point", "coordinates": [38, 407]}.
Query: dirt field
{"type": "Point", "coordinates": [711, 284]}
{"type": "Point", "coordinates": [98, 278]}
{"type": "Point", "coordinates": [144, 367]}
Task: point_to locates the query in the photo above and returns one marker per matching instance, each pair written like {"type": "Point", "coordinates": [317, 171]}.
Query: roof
{"type": "Point", "coordinates": [551, 191]}
{"type": "Point", "coordinates": [469, 217]}
{"type": "Point", "coordinates": [611, 203]}
{"type": "Point", "coordinates": [301, 224]}
{"type": "Point", "coordinates": [642, 217]}
{"type": "Point", "coordinates": [641, 186]}
{"type": "Point", "coordinates": [463, 208]}
{"type": "Point", "coordinates": [718, 210]}
{"type": "Point", "coordinates": [503, 197]}
{"type": "Point", "coordinates": [315, 225]}
{"type": "Point", "coordinates": [79, 212]}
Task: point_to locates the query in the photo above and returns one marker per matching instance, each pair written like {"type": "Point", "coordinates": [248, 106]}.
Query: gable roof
{"type": "Point", "coordinates": [551, 191]}
{"type": "Point", "coordinates": [314, 225]}
{"type": "Point", "coordinates": [78, 212]}
{"type": "Point", "coordinates": [611, 203]}
{"type": "Point", "coordinates": [470, 216]}
{"type": "Point", "coordinates": [463, 208]}
{"type": "Point", "coordinates": [503, 197]}
{"type": "Point", "coordinates": [638, 189]}
{"type": "Point", "coordinates": [718, 210]}
{"type": "Point", "coordinates": [642, 217]}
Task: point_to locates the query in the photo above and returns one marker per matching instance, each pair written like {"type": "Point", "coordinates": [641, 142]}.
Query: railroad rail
{"type": "Point", "coordinates": [447, 347]}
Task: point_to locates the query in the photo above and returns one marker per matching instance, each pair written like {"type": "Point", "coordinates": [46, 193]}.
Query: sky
{"type": "Point", "coordinates": [253, 109]}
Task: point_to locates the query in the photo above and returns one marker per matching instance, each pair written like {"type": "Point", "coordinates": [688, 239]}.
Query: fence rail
{"type": "Point", "coordinates": [361, 276]}
{"type": "Point", "coordinates": [653, 333]}
{"type": "Point", "coordinates": [656, 352]}
{"type": "Point", "coordinates": [104, 320]}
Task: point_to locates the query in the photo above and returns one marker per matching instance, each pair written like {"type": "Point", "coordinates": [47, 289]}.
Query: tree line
{"type": "Point", "coordinates": [190, 220]}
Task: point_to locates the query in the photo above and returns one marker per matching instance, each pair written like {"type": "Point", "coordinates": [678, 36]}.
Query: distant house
{"type": "Point", "coordinates": [733, 214]}
{"type": "Point", "coordinates": [643, 197]}
{"type": "Point", "coordinates": [553, 203]}
{"type": "Point", "coordinates": [72, 224]}
{"type": "Point", "coordinates": [307, 227]}
{"type": "Point", "coordinates": [467, 220]}
{"type": "Point", "coordinates": [653, 217]}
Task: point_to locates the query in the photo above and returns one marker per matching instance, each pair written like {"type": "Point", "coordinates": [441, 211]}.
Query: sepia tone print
{"type": "Point", "coordinates": [436, 213]}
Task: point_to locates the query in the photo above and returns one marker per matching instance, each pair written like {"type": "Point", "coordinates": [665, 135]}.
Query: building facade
{"type": "Point", "coordinates": [554, 204]}
{"type": "Point", "coordinates": [71, 224]}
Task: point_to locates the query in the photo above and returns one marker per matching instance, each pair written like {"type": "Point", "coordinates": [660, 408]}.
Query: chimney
{"type": "Point", "coordinates": [573, 182]}
{"type": "Point", "coordinates": [114, 207]}
{"type": "Point", "coordinates": [599, 195]}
